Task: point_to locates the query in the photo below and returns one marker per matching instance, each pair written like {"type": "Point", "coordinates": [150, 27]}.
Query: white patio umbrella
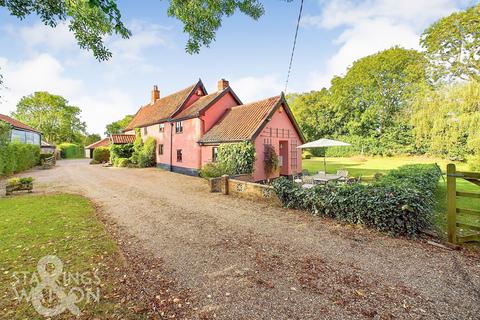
{"type": "Point", "coordinates": [324, 143]}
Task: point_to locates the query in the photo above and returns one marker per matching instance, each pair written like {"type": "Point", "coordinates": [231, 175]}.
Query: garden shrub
{"type": "Point", "coordinates": [270, 160]}
{"type": "Point", "coordinates": [122, 162]}
{"type": "Point", "coordinates": [214, 170]}
{"type": "Point", "coordinates": [238, 158]}
{"type": "Point", "coordinates": [120, 151]}
{"type": "Point", "coordinates": [400, 202]}
{"type": "Point", "coordinates": [101, 154]}
{"type": "Point", "coordinates": [71, 151]}
{"type": "Point", "coordinates": [143, 153]}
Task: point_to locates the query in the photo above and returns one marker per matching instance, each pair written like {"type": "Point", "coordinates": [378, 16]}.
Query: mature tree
{"type": "Point", "coordinates": [117, 126]}
{"type": "Point", "coordinates": [453, 44]}
{"type": "Point", "coordinates": [91, 138]}
{"type": "Point", "coordinates": [376, 90]}
{"type": "Point", "coordinates": [447, 120]}
{"type": "Point", "coordinates": [92, 20]}
{"type": "Point", "coordinates": [314, 114]}
{"type": "Point", "coordinates": [51, 114]}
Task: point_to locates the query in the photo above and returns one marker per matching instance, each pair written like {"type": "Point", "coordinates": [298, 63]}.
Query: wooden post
{"type": "Point", "coordinates": [225, 184]}
{"type": "Point", "coordinates": [451, 203]}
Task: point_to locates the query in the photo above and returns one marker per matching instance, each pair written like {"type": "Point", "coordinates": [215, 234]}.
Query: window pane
{"type": "Point", "coordinates": [18, 136]}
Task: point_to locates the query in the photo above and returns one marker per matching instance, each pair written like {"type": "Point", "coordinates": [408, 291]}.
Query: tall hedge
{"type": "Point", "coordinates": [16, 157]}
{"type": "Point", "coordinates": [400, 203]}
{"type": "Point", "coordinates": [71, 151]}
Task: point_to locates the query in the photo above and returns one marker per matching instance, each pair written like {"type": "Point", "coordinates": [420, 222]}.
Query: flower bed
{"type": "Point", "coordinates": [19, 184]}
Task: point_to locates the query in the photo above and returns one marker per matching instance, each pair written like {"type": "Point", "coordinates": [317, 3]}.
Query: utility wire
{"type": "Point", "coordinates": [294, 44]}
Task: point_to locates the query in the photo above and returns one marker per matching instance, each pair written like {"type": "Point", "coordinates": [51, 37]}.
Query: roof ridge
{"type": "Point", "coordinates": [278, 97]}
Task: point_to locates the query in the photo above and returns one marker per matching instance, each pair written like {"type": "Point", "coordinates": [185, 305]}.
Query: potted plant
{"type": "Point", "coordinates": [19, 184]}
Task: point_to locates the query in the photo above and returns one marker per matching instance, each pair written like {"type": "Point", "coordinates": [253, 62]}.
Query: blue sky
{"type": "Point", "coordinates": [252, 55]}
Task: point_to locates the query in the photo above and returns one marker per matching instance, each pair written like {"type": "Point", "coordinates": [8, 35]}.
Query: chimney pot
{"type": "Point", "coordinates": [222, 84]}
{"type": "Point", "coordinates": [155, 94]}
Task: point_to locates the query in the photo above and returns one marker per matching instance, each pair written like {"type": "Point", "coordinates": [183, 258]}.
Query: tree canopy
{"type": "Point", "coordinates": [117, 127]}
{"type": "Point", "coordinates": [91, 138]}
{"type": "Point", "coordinates": [53, 116]}
{"type": "Point", "coordinates": [453, 44]}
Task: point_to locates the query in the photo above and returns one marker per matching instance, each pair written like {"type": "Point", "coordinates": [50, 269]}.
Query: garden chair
{"type": "Point", "coordinates": [308, 182]}
{"type": "Point", "coordinates": [343, 174]}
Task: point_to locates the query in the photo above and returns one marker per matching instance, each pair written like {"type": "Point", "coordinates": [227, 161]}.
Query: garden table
{"type": "Point", "coordinates": [324, 178]}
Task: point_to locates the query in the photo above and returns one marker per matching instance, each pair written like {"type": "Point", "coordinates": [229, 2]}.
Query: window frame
{"type": "Point", "coordinates": [160, 149]}
{"type": "Point", "coordinates": [179, 127]}
{"type": "Point", "coordinates": [179, 155]}
{"type": "Point", "coordinates": [161, 127]}
{"type": "Point", "coordinates": [214, 154]}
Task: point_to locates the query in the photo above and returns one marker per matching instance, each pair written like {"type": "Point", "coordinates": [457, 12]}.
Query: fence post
{"type": "Point", "coordinates": [451, 203]}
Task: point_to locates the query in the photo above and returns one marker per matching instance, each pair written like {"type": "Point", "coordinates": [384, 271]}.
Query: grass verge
{"type": "Point", "coordinates": [65, 226]}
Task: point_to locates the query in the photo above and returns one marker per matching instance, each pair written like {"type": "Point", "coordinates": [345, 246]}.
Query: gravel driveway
{"type": "Point", "coordinates": [247, 260]}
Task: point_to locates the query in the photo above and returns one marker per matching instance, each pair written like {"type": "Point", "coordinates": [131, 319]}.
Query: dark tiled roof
{"type": "Point", "coordinates": [16, 123]}
{"type": "Point", "coordinates": [199, 105]}
{"type": "Point", "coordinates": [105, 142]}
{"type": "Point", "coordinates": [161, 110]}
{"type": "Point", "coordinates": [122, 138]}
{"type": "Point", "coordinates": [240, 122]}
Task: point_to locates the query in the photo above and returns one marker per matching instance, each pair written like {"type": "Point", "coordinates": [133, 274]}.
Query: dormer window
{"type": "Point", "coordinates": [179, 127]}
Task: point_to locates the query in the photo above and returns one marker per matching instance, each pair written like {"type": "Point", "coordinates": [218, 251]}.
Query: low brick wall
{"type": "Point", "coordinates": [243, 189]}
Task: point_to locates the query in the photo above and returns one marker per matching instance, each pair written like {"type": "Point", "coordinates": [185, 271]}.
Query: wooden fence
{"type": "Point", "coordinates": [458, 231]}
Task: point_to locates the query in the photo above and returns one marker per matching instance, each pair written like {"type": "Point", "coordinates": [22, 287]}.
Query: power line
{"type": "Point", "coordinates": [294, 44]}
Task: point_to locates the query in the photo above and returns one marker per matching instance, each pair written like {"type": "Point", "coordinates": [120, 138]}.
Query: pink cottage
{"type": "Point", "coordinates": [190, 124]}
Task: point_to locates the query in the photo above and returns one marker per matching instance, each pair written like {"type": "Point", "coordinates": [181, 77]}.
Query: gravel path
{"type": "Point", "coordinates": [247, 260]}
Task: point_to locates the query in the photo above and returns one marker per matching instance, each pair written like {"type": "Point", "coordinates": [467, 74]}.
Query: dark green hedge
{"type": "Point", "coordinates": [16, 157]}
{"type": "Point", "coordinates": [400, 203]}
{"type": "Point", "coordinates": [71, 151]}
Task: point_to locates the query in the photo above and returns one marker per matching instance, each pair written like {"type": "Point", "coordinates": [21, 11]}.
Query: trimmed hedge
{"type": "Point", "coordinates": [400, 202]}
{"type": "Point", "coordinates": [71, 151]}
{"type": "Point", "coordinates": [16, 157]}
{"type": "Point", "coordinates": [101, 154]}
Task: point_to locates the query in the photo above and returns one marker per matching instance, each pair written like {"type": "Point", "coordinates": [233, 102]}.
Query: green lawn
{"type": "Point", "coordinates": [66, 226]}
{"type": "Point", "coordinates": [366, 167]}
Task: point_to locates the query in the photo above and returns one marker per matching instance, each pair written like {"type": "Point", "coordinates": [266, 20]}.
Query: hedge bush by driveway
{"type": "Point", "coordinates": [400, 203]}
{"type": "Point", "coordinates": [16, 157]}
{"type": "Point", "coordinates": [71, 151]}
{"type": "Point", "coordinates": [101, 154]}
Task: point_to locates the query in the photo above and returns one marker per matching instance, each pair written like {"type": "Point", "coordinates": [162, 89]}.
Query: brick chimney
{"type": "Point", "coordinates": [222, 84]}
{"type": "Point", "coordinates": [155, 94]}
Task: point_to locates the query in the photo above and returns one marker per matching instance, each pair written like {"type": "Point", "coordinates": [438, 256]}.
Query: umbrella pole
{"type": "Point", "coordinates": [325, 160]}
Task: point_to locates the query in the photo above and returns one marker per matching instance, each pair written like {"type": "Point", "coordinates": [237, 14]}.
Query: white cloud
{"type": "Point", "coordinates": [252, 88]}
{"type": "Point", "coordinates": [39, 73]}
{"type": "Point", "coordinates": [371, 26]}
{"type": "Point", "coordinates": [41, 36]}
{"type": "Point", "coordinates": [45, 73]}
{"type": "Point", "coordinates": [145, 36]}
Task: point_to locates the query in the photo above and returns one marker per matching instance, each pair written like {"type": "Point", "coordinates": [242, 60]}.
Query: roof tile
{"type": "Point", "coordinates": [105, 142]}
{"type": "Point", "coordinates": [240, 122]}
{"type": "Point", "coordinates": [161, 110]}
{"type": "Point", "coordinates": [122, 138]}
